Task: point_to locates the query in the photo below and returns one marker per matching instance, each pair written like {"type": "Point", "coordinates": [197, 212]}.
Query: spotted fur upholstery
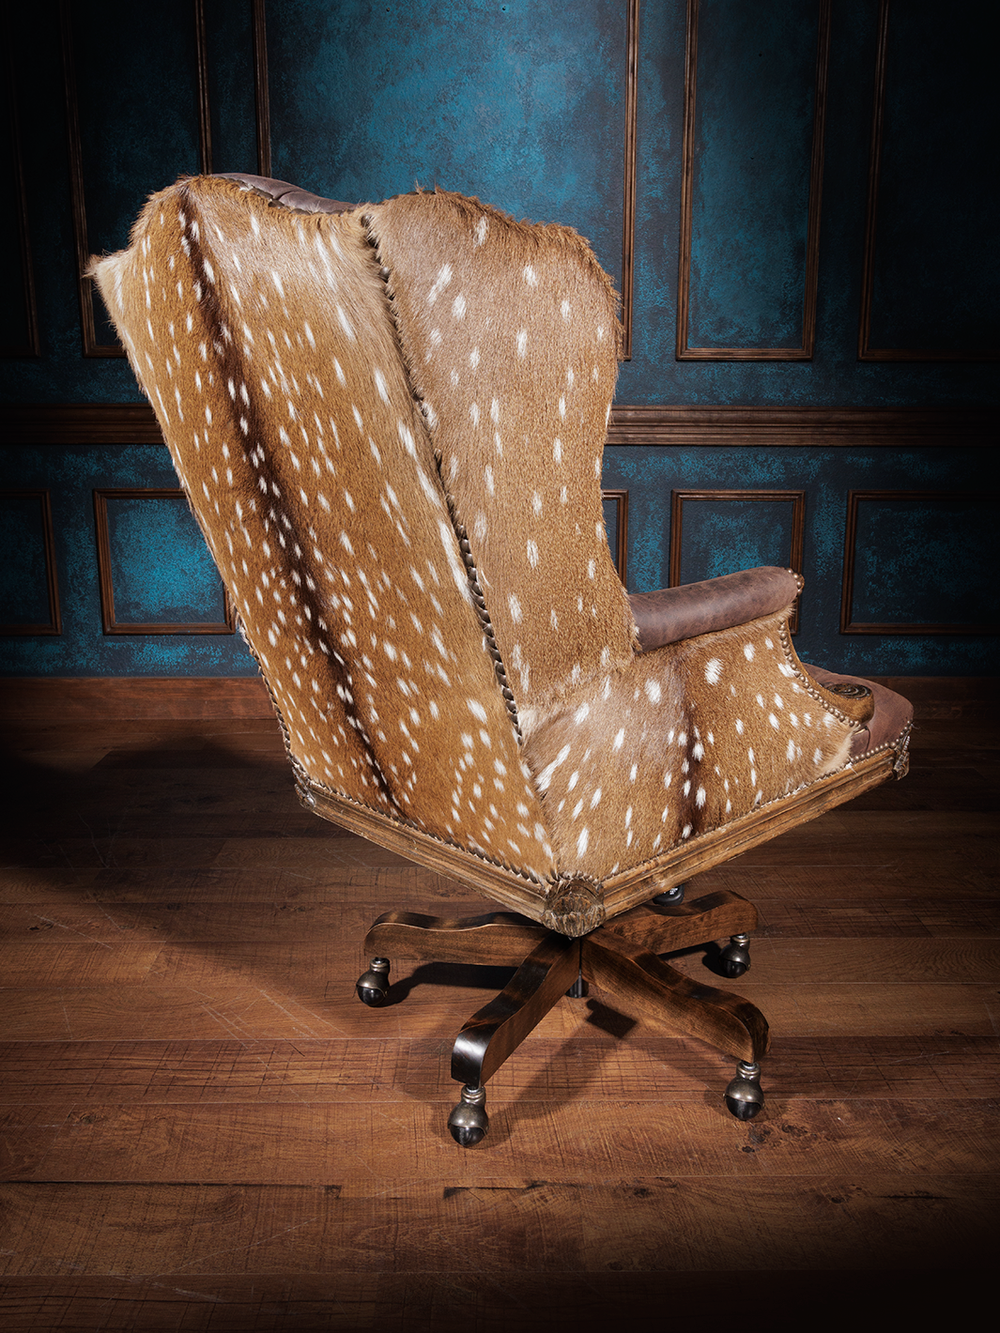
{"type": "Point", "coordinates": [389, 422]}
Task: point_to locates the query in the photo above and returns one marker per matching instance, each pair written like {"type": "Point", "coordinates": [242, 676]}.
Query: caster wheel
{"type": "Point", "coordinates": [373, 985]}
{"type": "Point", "coordinates": [734, 959]}
{"type": "Point", "coordinates": [672, 898]}
{"type": "Point", "coordinates": [469, 1122]}
{"type": "Point", "coordinates": [744, 1098]}
{"type": "Point", "coordinates": [743, 1110]}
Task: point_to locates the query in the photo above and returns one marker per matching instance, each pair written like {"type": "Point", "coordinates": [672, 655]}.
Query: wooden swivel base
{"type": "Point", "coordinates": [619, 957]}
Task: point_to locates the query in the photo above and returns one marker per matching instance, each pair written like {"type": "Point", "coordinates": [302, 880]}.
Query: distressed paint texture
{"type": "Point", "coordinates": [723, 535]}
{"type": "Point", "coordinates": [523, 105]}
{"type": "Point", "coordinates": [161, 568]}
{"type": "Point", "coordinates": [916, 564]}
{"type": "Point", "coordinates": [24, 597]}
{"type": "Point", "coordinates": [153, 568]}
{"type": "Point", "coordinates": [913, 558]}
{"type": "Point", "coordinates": [756, 89]}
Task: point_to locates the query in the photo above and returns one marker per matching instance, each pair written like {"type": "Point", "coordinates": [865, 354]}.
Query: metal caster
{"type": "Point", "coordinates": [735, 957]}
{"type": "Point", "coordinates": [373, 985]}
{"type": "Point", "coordinates": [672, 898]}
{"type": "Point", "coordinates": [744, 1098]}
{"type": "Point", "coordinates": [469, 1122]}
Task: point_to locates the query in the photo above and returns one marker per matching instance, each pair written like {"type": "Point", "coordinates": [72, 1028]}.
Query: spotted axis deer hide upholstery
{"type": "Point", "coordinates": [389, 421]}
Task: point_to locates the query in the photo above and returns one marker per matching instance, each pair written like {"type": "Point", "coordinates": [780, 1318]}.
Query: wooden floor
{"type": "Point", "coordinates": [205, 1130]}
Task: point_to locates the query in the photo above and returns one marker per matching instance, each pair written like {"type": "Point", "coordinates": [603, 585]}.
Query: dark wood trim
{"type": "Point", "coordinates": [620, 552]}
{"type": "Point", "coordinates": [262, 96]}
{"type": "Point", "coordinates": [639, 425]}
{"type": "Point", "coordinates": [19, 205]}
{"type": "Point", "coordinates": [799, 427]}
{"type": "Point", "coordinates": [77, 698]}
{"type": "Point", "coordinates": [631, 173]}
{"type": "Point", "coordinates": [204, 108]}
{"type": "Point", "coordinates": [804, 352]}
{"type": "Point", "coordinates": [796, 545]}
{"type": "Point", "coordinates": [54, 624]}
{"type": "Point", "coordinates": [80, 423]}
{"type": "Point", "coordinates": [78, 205]}
{"type": "Point", "coordinates": [816, 164]}
{"type": "Point", "coordinates": [866, 352]}
{"type": "Point", "coordinates": [687, 177]}
{"type": "Point", "coordinates": [847, 624]}
{"type": "Point", "coordinates": [105, 574]}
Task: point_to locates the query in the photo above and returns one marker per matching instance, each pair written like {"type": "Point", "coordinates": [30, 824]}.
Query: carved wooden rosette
{"type": "Point", "coordinates": [574, 905]}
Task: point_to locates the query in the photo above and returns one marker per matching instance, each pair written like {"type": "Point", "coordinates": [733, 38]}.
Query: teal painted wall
{"type": "Point", "coordinates": [524, 105]}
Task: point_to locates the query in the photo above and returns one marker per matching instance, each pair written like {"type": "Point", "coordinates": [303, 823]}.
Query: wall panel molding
{"type": "Point", "coordinates": [47, 537]}
{"type": "Point", "coordinates": [801, 427]}
{"type": "Point", "coordinates": [262, 95]}
{"type": "Point", "coordinates": [92, 347]}
{"type": "Point", "coordinates": [866, 350]}
{"type": "Point", "coordinates": [631, 173]}
{"type": "Point", "coordinates": [105, 569]}
{"type": "Point", "coordinates": [793, 560]}
{"type": "Point", "coordinates": [631, 425]}
{"type": "Point", "coordinates": [619, 550]}
{"type": "Point", "coordinates": [948, 563]}
{"type": "Point", "coordinates": [804, 351]}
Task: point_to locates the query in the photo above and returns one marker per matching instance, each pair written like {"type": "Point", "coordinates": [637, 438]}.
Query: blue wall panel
{"type": "Point", "coordinates": [722, 535]}
{"type": "Point", "coordinates": [926, 560]}
{"type": "Point", "coordinates": [24, 585]}
{"type": "Point", "coordinates": [827, 477]}
{"type": "Point", "coordinates": [756, 86]}
{"type": "Point", "coordinates": [161, 567]}
{"type": "Point", "coordinates": [517, 103]}
{"type": "Point", "coordinates": [161, 570]}
{"type": "Point", "coordinates": [524, 105]}
{"type": "Point", "coordinates": [936, 264]}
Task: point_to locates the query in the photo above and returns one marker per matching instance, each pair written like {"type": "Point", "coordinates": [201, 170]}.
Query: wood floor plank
{"type": "Point", "coordinates": [859, 1221]}
{"type": "Point", "coordinates": [158, 1012]}
{"type": "Point", "coordinates": [361, 1144]}
{"type": "Point", "coordinates": [79, 962]}
{"type": "Point", "coordinates": [259, 1009]}
{"type": "Point", "coordinates": [201, 1128]}
{"type": "Point", "coordinates": [966, 959]}
{"type": "Point", "coordinates": [623, 1064]}
{"type": "Point", "coordinates": [208, 911]}
{"type": "Point", "coordinates": [420, 1302]}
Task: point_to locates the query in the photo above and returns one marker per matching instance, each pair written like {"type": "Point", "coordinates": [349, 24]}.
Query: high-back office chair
{"type": "Point", "coordinates": [389, 421]}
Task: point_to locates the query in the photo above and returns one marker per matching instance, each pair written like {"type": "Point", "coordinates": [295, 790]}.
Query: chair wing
{"type": "Point", "coordinates": [265, 342]}
{"type": "Point", "coordinates": [511, 334]}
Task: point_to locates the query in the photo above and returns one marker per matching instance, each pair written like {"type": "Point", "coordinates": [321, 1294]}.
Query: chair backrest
{"type": "Point", "coordinates": [268, 346]}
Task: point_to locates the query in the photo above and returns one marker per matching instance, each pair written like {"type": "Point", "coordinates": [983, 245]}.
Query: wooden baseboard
{"type": "Point", "coordinates": [64, 699]}
{"type": "Point", "coordinates": [69, 698]}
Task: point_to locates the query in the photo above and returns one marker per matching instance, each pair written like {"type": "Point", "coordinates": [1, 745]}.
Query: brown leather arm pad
{"type": "Point", "coordinates": [290, 196]}
{"type": "Point", "coordinates": [697, 608]}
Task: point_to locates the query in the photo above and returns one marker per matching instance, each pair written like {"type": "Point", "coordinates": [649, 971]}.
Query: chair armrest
{"type": "Point", "coordinates": [698, 608]}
